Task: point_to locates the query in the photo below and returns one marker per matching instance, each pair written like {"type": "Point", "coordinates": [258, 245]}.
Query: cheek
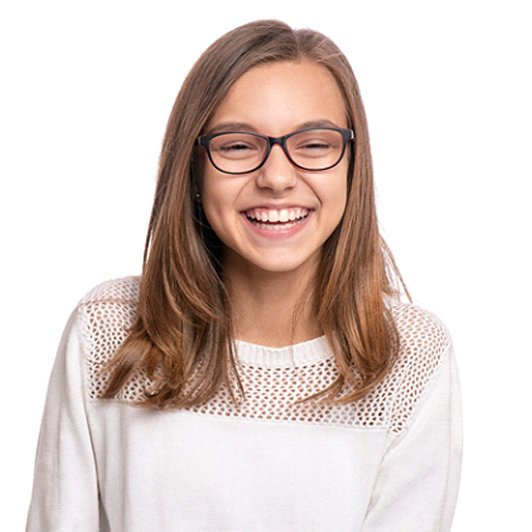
{"type": "Point", "coordinates": [218, 202]}
{"type": "Point", "coordinates": [211, 204]}
{"type": "Point", "coordinates": [208, 185]}
{"type": "Point", "coordinates": [334, 194]}
{"type": "Point", "coordinates": [338, 209]}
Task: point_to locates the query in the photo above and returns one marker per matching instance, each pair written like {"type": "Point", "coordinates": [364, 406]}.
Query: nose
{"type": "Point", "coordinates": [277, 173]}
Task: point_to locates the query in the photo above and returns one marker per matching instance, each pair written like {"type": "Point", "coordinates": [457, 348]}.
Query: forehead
{"type": "Point", "coordinates": [278, 97]}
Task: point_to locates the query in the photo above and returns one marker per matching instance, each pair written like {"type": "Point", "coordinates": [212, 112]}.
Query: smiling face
{"type": "Point", "coordinates": [278, 217]}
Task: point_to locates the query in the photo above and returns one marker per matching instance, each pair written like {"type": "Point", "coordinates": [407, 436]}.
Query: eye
{"type": "Point", "coordinates": [314, 145]}
{"type": "Point", "coordinates": [237, 150]}
{"type": "Point", "coordinates": [234, 146]}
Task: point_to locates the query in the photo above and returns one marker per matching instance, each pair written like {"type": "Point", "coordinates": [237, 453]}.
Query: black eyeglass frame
{"type": "Point", "coordinates": [347, 136]}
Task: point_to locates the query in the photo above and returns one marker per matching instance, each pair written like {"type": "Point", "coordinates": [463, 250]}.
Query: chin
{"type": "Point", "coordinates": [271, 260]}
{"type": "Point", "coordinates": [284, 264]}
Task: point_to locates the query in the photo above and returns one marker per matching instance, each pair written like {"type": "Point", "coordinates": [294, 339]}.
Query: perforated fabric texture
{"type": "Point", "coordinates": [274, 379]}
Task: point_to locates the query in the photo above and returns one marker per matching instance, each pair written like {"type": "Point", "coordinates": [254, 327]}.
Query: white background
{"type": "Point", "coordinates": [86, 89]}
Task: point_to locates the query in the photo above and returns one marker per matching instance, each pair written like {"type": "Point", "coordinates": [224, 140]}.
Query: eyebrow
{"type": "Point", "coordinates": [245, 126]}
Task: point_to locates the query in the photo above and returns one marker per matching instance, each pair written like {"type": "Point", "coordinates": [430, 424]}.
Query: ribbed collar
{"type": "Point", "coordinates": [295, 355]}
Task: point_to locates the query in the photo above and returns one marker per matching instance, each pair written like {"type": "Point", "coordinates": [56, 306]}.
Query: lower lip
{"type": "Point", "coordinates": [281, 230]}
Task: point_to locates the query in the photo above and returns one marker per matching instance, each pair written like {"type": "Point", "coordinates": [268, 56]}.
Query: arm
{"type": "Point", "coordinates": [65, 493]}
{"type": "Point", "coordinates": [417, 486]}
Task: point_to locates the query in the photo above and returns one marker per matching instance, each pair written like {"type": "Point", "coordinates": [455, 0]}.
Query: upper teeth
{"type": "Point", "coordinates": [277, 215]}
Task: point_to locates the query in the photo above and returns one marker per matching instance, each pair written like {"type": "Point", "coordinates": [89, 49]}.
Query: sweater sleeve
{"type": "Point", "coordinates": [417, 486]}
{"type": "Point", "coordinates": [65, 493]}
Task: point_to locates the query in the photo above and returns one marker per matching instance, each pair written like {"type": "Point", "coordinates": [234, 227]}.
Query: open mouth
{"type": "Point", "coordinates": [277, 218]}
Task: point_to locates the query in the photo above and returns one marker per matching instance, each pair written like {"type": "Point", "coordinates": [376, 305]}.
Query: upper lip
{"type": "Point", "coordinates": [277, 207]}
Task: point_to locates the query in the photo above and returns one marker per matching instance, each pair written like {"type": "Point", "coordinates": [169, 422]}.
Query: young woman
{"type": "Point", "coordinates": [262, 373]}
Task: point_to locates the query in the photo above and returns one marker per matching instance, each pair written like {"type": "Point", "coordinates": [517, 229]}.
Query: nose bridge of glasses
{"type": "Point", "coordinates": [279, 141]}
{"type": "Point", "coordinates": [278, 171]}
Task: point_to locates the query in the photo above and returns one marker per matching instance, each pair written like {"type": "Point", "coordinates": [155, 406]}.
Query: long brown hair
{"type": "Point", "coordinates": [182, 335]}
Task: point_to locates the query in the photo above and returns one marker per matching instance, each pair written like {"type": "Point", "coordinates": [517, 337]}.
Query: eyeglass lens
{"type": "Point", "coordinates": [314, 149]}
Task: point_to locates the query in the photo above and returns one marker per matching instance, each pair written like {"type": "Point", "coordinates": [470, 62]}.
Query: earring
{"type": "Point", "coordinates": [198, 196]}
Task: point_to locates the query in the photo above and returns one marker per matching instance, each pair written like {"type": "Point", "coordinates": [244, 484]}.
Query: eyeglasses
{"type": "Point", "coordinates": [242, 152]}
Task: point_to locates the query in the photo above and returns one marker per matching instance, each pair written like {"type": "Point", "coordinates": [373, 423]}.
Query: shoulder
{"type": "Point", "coordinates": [108, 310]}
{"type": "Point", "coordinates": [422, 335]}
{"type": "Point", "coordinates": [118, 291]}
{"type": "Point", "coordinates": [424, 347]}
{"type": "Point", "coordinates": [106, 314]}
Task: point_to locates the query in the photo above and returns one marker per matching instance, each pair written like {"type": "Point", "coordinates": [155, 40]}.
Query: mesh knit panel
{"type": "Point", "coordinates": [107, 313]}
{"type": "Point", "coordinates": [271, 391]}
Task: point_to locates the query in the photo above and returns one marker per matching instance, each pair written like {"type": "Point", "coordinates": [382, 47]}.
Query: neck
{"type": "Point", "coordinates": [274, 309]}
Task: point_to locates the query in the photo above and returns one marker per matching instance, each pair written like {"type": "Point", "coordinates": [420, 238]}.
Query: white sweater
{"type": "Point", "coordinates": [387, 463]}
